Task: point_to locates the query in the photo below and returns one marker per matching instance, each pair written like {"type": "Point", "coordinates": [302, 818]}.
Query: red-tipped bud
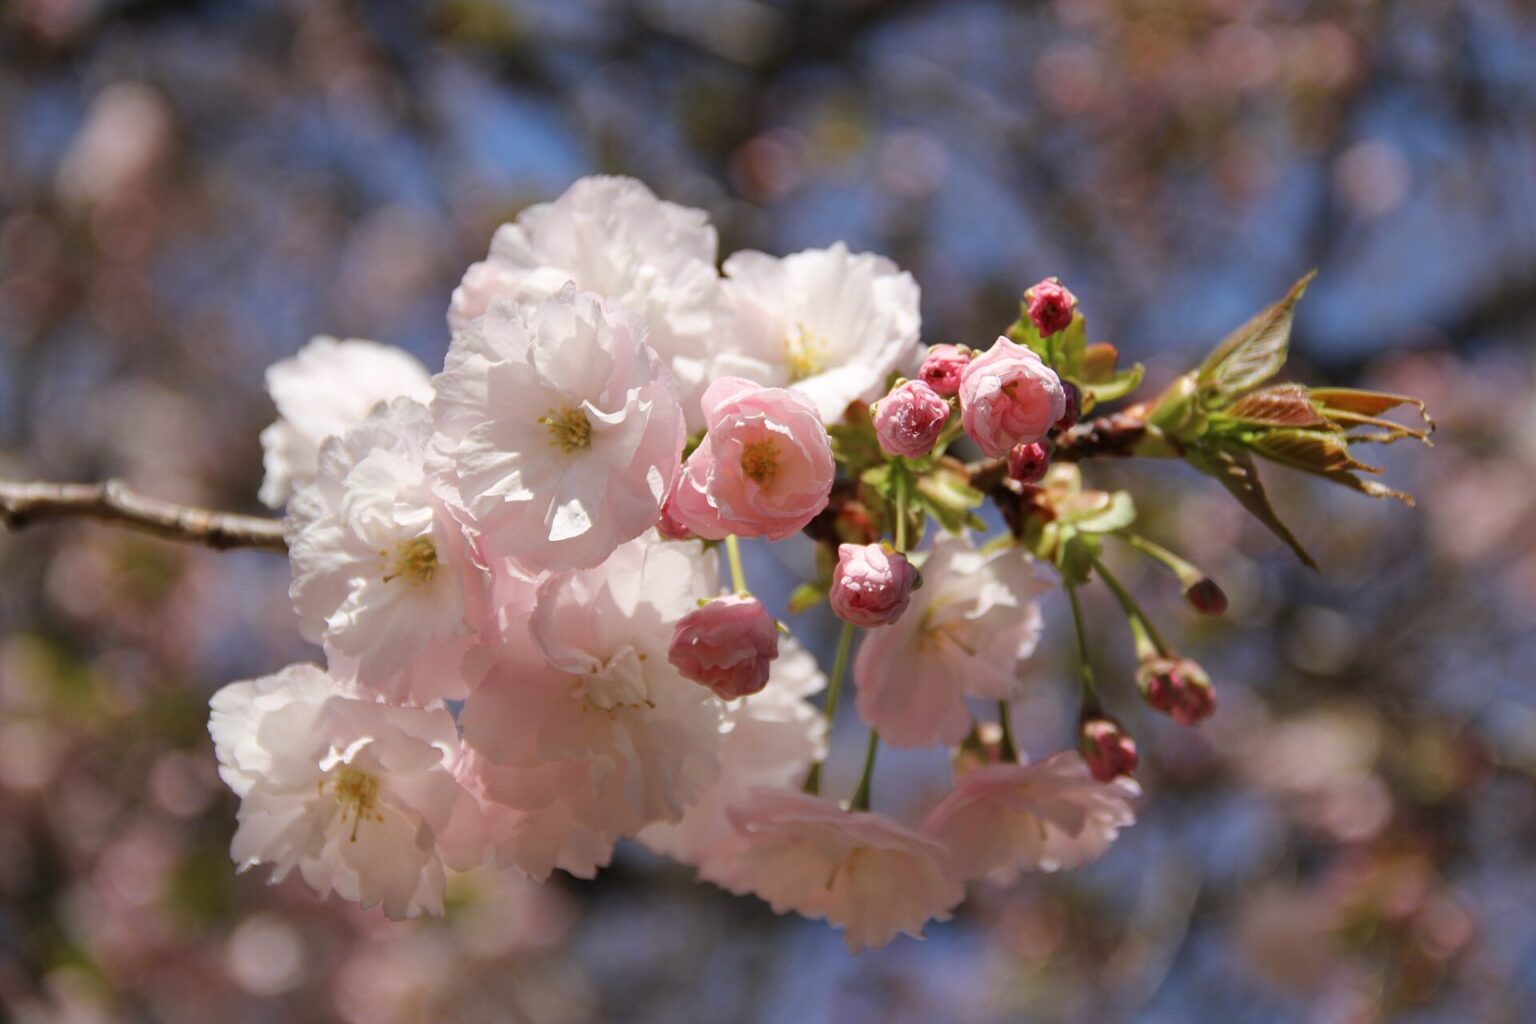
{"type": "Point", "coordinates": [1074, 406]}
{"type": "Point", "coordinates": [1179, 689]}
{"type": "Point", "coordinates": [1206, 597]}
{"type": "Point", "coordinates": [1027, 463]}
{"type": "Point", "coordinates": [1050, 306]}
{"type": "Point", "coordinates": [1107, 747]}
{"type": "Point", "coordinates": [943, 367]}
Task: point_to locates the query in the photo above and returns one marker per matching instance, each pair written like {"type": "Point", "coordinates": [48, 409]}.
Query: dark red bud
{"type": "Point", "coordinates": [1027, 463]}
{"type": "Point", "coordinates": [1107, 747]}
{"type": "Point", "coordinates": [1074, 407]}
{"type": "Point", "coordinates": [1206, 597]}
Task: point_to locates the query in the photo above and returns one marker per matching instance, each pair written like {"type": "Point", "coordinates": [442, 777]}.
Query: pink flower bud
{"type": "Point", "coordinates": [1050, 306]}
{"type": "Point", "coordinates": [1074, 409]}
{"type": "Point", "coordinates": [871, 584]}
{"type": "Point", "coordinates": [1008, 397]}
{"type": "Point", "coordinates": [910, 419]}
{"type": "Point", "coordinates": [726, 645]}
{"type": "Point", "coordinates": [1107, 747]}
{"type": "Point", "coordinates": [943, 367]}
{"type": "Point", "coordinates": [1206, 597]}
{"type": "Point", "coordinates": [1179, 689]}
{"type": "Point", "coordinates": [669, 526]}
{"type": "Point", "coordinates": [1027, 463]}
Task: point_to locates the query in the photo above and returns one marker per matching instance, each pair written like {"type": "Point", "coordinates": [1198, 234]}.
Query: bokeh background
{"type": "Point", "coordinates": [189, 191]}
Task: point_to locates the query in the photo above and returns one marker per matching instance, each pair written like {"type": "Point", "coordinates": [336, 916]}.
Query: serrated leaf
{"type": "Point", "coordinates": [1313, 451]}
{"type": "Point", "coordinates": [1284, 405]}
{"type": "Point", "coordinates": [1254, 352]}
{"type": "Point", "coordinates": [1236, 472]}
{"type": "Point", "coordinates": [1359, 408]}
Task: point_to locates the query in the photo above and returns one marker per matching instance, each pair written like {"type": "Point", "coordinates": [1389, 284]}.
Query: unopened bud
{"type": "Point", "coordinates": [943, 367]}
{"type": "Point", "coordinates": [1074, 406]}
{"type": "Point", "coordinates": [1179, 689]}
{"type": "Point", "coordinates": [1027, 463]}
{"type": "Point", "coordinates": [1206, 597]}
{"type": "Point", "coordinates": [1107, 747]}
{"type": "Point", "coordinates": [1051, 306]}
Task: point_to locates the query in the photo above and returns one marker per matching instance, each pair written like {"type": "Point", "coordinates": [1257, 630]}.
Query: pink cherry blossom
{"type": "Point", "coordinates": [1006, 818]}
{"type": "Point", "coordinates": [871, 585]}
{"type": "Point", "coordinates": [862, 872]}
{"type": "Point", "coordinates": [1009, 397]}
{"type": "Point", "coordinates": [943, 367]}
{"type": "Point", "coordinates": [966, 633]}
{"type": "Point", "coordinates": [727, 645]}
{"type": "Point", "coordinates": [764, 468]}
{"type": "Point", "coordinates": [909, 420]}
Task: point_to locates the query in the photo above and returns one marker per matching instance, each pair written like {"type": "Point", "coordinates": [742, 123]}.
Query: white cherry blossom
{"type": "Point", "coordinates": [324, 390]}
{"type": "Point", "coordinates": [352, 793]}
{"type": "Point", "coordinates": [832, 324]}
{"type": "Point", "coordinates": [613, 237]}
{"type": "Point", "coordinates": [383, 575]}
{"type": "Point", "coordinates": [559, 431]}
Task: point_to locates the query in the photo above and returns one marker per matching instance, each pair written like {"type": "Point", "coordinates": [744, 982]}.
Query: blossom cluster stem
{"type": "Point", "coordinates": [1186, 572]}
{"type": "Point", "coordinates": [861, 795]}
{"type": "Point", "coordinates": [1141, 625]}
{"type": "Point", "coordinates": [834, 688]}
{"type": "Point", "coordinates": [733, 557]}
{"type": "Point", "coordinates": [900, 531]}
{"type": "Point", "coordinates": [1085, 666]}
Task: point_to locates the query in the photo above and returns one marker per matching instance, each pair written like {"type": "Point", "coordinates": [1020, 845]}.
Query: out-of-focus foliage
{"type": "Point", "coordinates": [188, 191]}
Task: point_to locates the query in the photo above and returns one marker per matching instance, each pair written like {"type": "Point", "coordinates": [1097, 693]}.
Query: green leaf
{"type": "Point", "coordinates": [1024, 332]}
{"type": "Point", "coordinates": [806, 595]}
{"type": "Point", "coordinates": [1117, 386]}
{"type": "Point", "coordinates": [949, 498]}
{"type": "Point", "coordinates": [1353, 407]}
{"type": "Point", "coordinates": [1068, 347]}
{"type": "Point", "coordinates": [1119, 513]}
{"type": "Point", "coordinates": [1235, 471]}
{"type": "Point", "coordinates": [1075, 553]}
{"type": "Point", "coordinates": [1254, 352]}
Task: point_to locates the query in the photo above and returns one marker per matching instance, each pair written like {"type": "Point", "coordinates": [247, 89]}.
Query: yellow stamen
{"type": "Point", "coordinates": [804, 353]}
{"type": "Point", "coordinates": [569, 429]}
{"type": "Point", "coordinates": [760, 461]}
{"type": "Point", "coordinates": [415, 561]}
{"type": "Point", "coordinates": [358, 794]}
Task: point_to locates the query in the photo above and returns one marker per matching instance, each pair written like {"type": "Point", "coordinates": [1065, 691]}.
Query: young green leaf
{"type": "Point", "coordinates": [1253, 353]}
{"type": "Point", "coordinates": [1235, 471]}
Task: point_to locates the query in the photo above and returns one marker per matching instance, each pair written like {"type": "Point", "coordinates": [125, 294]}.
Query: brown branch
{"type": "Point", "coordinates": [22, 504]}
{"type": "Point", "coordinates": [1112, 436]}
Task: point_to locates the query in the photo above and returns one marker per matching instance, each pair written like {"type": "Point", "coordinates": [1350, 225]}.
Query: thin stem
{"type": "Point", "coordinates": [1085, 666]}
{"type": "Point", "coordinates": [1133, 611]}
{"type": "Point", "coordinates": [733, 556]}
{"type": "Point", "coordinates": [860, 801]}
{"type": "Point", "coordinates": [834, 688]}
{"type": "Point", "coordinates": [901, 505]}
{"type": "Point", "coordinates": [1010, 749]}
{"type": "Point", "coordinates": [1187, 573]}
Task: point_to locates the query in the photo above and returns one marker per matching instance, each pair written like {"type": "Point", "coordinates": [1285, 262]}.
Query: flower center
{"type": "Point", "coordinates": [358, 794]}
{"type": "Point", "coordinates": [760, 462]}
{"type": "Point", "coordinates": [415, 561]}
{"type": "Point", "coordinates": [804, 353]}
{"type": "Point", "coordinates": [569, 429]}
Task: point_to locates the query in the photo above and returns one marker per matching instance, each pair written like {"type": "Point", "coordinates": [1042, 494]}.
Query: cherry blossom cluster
{"type": "Point", "coordinates": [531, 650]}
